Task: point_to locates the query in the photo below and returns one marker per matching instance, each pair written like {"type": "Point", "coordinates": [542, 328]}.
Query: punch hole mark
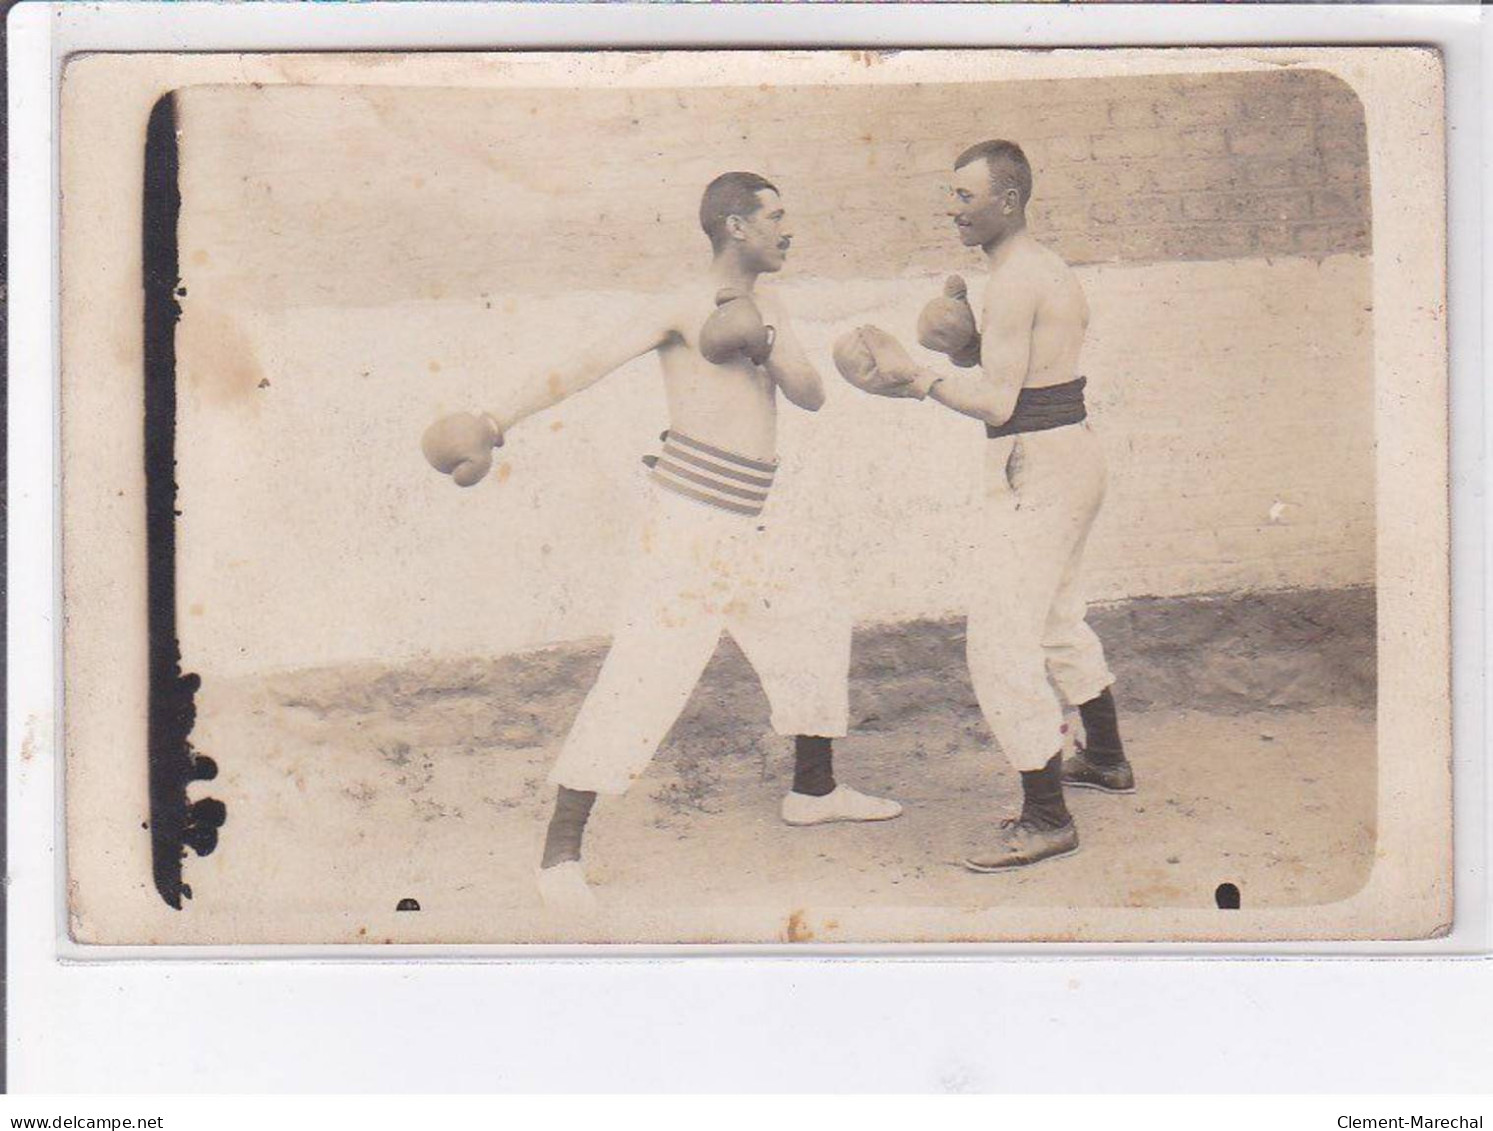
{"type": "Point", "coordinates": [408, 904]}
{"type": "Point", "coordinates": [1227, 897]}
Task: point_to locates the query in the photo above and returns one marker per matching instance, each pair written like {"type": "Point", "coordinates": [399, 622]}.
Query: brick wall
{"type": "Point", "coordinates": [372, 195]}
{"type": "Point", "coordinates": [1205, 168]}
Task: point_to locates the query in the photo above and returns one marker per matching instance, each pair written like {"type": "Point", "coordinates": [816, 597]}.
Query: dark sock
{"type": "Point", "coordinates": [567, 824]}
{"type": "Point", "coordinates": [1101, 730]}
{"type": "Point", "coordinates": [1042, 796]}
{"type": "Point", "coordinates": [813, 765]}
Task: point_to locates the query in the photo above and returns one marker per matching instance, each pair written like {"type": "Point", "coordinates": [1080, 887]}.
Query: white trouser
{"type": "Point", "coordinates": [698, 570]}
{"type": "Point", "coordinates": [1026, 618]}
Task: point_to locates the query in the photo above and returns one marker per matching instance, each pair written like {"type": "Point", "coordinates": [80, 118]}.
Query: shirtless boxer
{"type": "Point", "coordinates": [1045, 475]}
{"type": "Point", "coordinates": [705, 558]}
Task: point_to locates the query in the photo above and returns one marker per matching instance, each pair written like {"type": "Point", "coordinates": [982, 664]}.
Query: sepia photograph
{"type": "Point", "coordinates": [755, 498]}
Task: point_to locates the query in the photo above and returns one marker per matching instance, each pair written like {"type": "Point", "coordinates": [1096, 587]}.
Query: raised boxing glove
{"type": "Point", "coordinates": [735, 329]}
{"type": "Point", "coordinates": [947, 325]}
{"type": "Point", "coordinates": [461, 446]}
{"type": "Point", "coordinates": [875, 362]}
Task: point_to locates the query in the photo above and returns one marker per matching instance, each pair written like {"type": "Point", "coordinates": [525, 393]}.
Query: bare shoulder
{"type": "Point", "coordinates": [1060, 289]}
{"type": "Point", "coordinates": [673, 309]}
{"type": "Point", "coordinates": [1021, 282]}
{"type": "Point", "coordinates": [770, 303]}
{"type": "Point", "coordinates": [1049, 268]}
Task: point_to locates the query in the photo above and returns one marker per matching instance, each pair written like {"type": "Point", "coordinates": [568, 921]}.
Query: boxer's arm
{"type": "Point", "coordinates": [989, 393]}
{"type": "Point", "coordinates": [790, 367]}
{"type": "Point", "coordinates": [642, 333]}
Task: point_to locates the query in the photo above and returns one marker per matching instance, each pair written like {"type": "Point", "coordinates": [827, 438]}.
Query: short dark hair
{"type": "Point", "coordinates": [730, 194]}
{"type": "Point", "coordinates": [1008, 166]}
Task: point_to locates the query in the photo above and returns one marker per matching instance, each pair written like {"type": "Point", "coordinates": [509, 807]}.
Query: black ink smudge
{"type": "Point", "coordinates": [175, 824]}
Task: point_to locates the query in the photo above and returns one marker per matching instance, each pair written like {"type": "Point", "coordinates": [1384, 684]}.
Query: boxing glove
{"type": "Point", "coordinates": [875, 362]}
{"type": "Point", "coordinates": [735, 329]}
{"type": "Point", "coordinates": [461, 446]}
{"type": "Point", "coordinates": [947, 325]}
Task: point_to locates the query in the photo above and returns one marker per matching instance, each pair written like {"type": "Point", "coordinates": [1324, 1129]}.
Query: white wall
{"type": "Point", "coordinates": [1234, 399]}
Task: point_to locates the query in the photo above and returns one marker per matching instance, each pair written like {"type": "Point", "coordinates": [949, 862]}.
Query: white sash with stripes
{"type": "Point", "coordinates": [712, 475]}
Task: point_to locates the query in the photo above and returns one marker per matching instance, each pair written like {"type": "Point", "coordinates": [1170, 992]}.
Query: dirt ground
{"type": "Point", "coordinates": [1250, 723]}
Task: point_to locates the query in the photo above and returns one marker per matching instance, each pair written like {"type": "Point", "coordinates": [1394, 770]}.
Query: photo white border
{"type": "Point", "coordinates": [55, 1000]}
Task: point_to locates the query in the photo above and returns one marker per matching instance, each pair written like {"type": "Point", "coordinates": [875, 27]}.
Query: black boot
{"type": "Point", "coordinates": [1044, 830]}
{"type": "Point", "coordinates": [1100, 762]}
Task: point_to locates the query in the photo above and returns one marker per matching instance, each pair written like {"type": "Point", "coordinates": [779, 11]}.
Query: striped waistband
{"type": "Point", "coordinates": [711, 475]}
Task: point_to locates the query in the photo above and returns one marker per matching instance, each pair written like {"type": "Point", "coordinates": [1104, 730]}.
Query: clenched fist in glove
{"type": "Point", "coordinates": [947, 325]}
{"type": "Point", "coordinates": [735, 329]}
{"type": "Point", "coordinates": [461, 446]}
{"type": "Point", "coordinates": [875, 362]}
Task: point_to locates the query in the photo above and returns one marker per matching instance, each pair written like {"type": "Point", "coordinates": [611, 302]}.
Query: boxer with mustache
{"type": "Point", "coordinates": [707, 557]}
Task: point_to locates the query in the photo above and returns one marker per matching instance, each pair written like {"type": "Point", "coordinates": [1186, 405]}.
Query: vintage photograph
{"type": "Point", "coordinates": [835, 497]}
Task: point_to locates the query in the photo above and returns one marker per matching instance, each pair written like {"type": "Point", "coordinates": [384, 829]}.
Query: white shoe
{"type": "Point", "coordinates": [563, 889]}
{"type": "Point", "coordinates": [840, 804]}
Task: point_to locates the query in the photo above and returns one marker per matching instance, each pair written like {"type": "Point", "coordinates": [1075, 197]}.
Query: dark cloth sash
{"type": "Point", "coordinates": [1037, 410]}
